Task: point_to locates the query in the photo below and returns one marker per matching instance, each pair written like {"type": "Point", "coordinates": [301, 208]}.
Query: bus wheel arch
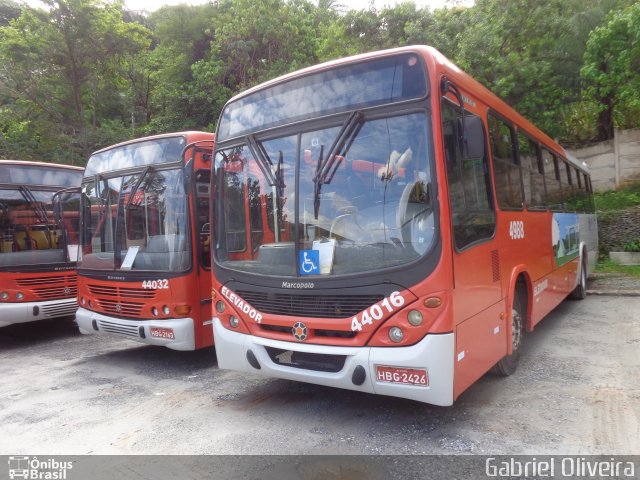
{"type": "Point", "coordinates": [518, 318]}
{"type": "Point", "coordinates": [580, 292]}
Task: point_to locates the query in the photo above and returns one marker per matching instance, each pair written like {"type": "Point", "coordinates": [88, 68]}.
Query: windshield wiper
{"type": "Point", "coordinates": [276, 181]}
{"type": "Point", "coordinates": [135, 188]}
{"type": "Point", "coordinates": [327, 167]}
{"type": "Point", "coordinates": [264, 162]}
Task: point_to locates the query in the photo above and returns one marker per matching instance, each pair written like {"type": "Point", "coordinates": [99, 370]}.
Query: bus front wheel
{"type": "Point", "coordinates": [508, 364]}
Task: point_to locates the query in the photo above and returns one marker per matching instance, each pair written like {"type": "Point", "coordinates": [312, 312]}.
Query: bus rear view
{"type": "Point", "coordinates": [37, 250]}
{"type": "Point", "coordinates": [359, 241]}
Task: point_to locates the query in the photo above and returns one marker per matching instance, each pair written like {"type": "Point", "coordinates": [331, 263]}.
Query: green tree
{"type": "Point", "coordinates": [63, 69]}
{"type": "Point", "coordinates": [612, 71]}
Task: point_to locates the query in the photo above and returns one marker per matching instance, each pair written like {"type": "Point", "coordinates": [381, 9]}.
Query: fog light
{"type": "Point", "coordinates": [234, 321]}
{"type": "Point", "coordinates": [19, 296]}
{"type": "Point", "coordinates": [415, 318]}
{"type": "Point", "coordinates": [220, 306]}
{"type": "Point", "coordinates": [182, 309]}
{"type": "Point", "coordinates": [395, 334]}
{"type": "Point", "coordinates": [166, 310]}
{"type": "Point", "coordinates": [4, 296]}
{"type": "Point", "coordinates": [154, 311]}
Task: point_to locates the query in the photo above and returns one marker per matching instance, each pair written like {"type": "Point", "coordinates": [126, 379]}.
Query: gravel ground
{"type": "Point", "coordinates": [576, 391]}
{"type": "Point", "coordinates": [604, 283]}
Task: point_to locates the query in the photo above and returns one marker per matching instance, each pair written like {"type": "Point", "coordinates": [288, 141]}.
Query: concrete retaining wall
{"type": "Point", "coordinates": [613, 163]}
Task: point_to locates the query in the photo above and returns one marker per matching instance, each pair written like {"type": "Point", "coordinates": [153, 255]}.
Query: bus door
{"type": "Point", "coordinates": [201, 201]}
{"type": "Point", "coordinates": [480, 324]}
{"type": "Point", "coordinates": [66, 210]}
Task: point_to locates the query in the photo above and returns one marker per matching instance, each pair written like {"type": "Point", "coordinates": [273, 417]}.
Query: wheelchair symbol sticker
{"type": "Point", "coordinates": [309, 262]}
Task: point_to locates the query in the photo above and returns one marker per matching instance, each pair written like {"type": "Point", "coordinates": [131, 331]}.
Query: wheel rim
{"type": "Point", "coordinates": [516, 329]}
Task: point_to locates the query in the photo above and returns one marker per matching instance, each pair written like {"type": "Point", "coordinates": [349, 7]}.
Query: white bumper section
{"type": "Point", "coordinates": [138, 330]}
{"type": "Point", "coordinates": [11, 313]}
{"type": "Point", "coordinates": [434, 352]}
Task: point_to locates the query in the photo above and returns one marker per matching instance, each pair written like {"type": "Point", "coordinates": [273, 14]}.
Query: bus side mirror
{"type": "Point", "coordinates": [471, 137]}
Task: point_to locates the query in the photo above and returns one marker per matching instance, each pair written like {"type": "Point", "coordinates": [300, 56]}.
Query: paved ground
{"type": "Point", "coordinates": [577, 391]}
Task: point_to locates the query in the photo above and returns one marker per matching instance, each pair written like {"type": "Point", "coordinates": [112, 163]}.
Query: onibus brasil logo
{"type": "Point", "coordinates": [33, 468]}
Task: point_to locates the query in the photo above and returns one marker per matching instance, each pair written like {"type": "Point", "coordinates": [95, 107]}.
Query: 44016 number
{"type": "Point", "coordinates": [377, 312]}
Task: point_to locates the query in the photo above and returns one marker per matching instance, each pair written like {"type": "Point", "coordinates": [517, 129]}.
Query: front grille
{"type": "Point", "coordinates": [117, 329]}
{"type": "Point", "coordinates": [308, 361]}
{"type": "Point", "coordinates": [51, 288]}
{"type": "Point", "coordinates": [314, 306]}
{"type": "Point", "coordinates": [52, 293]}
{"type": "Point", "coordinates": [316, 332]}
{"type": "Point", "coordinates": [37, 281]}
{"type": "Point", "coordinates": [61, 309]}
{"type": "Point", "coordinates": [111, 291]}
{"type": "Point", "coordinates": [120, 308]}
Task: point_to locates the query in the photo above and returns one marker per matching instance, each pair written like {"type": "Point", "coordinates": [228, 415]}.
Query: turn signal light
{"type": "Point", "coordinates": [182, 309]}
{"type": "Point", "coordinates": [433, 302]}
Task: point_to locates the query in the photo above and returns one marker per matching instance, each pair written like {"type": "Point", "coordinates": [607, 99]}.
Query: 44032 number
{"type": "Point", "coordinates": [377, 312]}
{"type": "Point", "coordinates": [160, 284]}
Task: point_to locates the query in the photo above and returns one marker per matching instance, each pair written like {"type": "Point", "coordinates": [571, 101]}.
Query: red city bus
{"type": "Point", "coordinates": [37, 250]}
{"type": "Point", "coordinates": [143, 271]}
{"type": "Point", "coordinates": [428, 227]}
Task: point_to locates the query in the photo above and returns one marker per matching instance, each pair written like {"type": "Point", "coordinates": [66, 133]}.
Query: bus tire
{"type": "Point", "coordinates": [580, 292]}
{"type": "Point", "coordinates": [508, 364]}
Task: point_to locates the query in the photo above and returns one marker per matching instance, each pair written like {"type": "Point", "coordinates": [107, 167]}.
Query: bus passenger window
{"type": "Point", "coordinates": [552, 181]}
{"type": "Point", "coordinates": [473, 216]}
{"type": "Point", "coordinates": [506, 170]}
{"type": "Point", "coordinates": [532, 173]}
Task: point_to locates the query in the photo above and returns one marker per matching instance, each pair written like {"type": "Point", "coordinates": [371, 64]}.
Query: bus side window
{"type": "Point", "coordinates": [506, 169]}
{"type": "Point", "coordinates": [563, 170]}
{"type": "Point", "coordinates": [552, 181]}
{"type": "Point", "coordinates": [469, 185]}
{"type": "Point", "coordinates": [532, 173]}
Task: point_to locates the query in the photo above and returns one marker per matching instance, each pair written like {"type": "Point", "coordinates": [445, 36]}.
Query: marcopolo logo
{"type": "Point", "coordinates": [37, 469]}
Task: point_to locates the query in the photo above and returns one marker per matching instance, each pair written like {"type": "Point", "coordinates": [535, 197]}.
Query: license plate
{"type": "Point", "coordinates": [158, 332]}
{"type": "Point", "coordinates": [404, 376]}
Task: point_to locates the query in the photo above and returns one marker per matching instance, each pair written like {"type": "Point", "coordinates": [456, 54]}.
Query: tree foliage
{"type": "Point", "coordinates": [83, 74]}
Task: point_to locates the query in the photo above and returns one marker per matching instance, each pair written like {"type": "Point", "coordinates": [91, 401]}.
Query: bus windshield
{"type": "Point", "coordinates": [352, 197]}
{"type": "Point", "coordinates": [137, 221]}
{"type": "Point", "coordinates": [29, 233]}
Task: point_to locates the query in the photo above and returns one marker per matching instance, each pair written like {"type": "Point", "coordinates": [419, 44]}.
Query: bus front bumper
{"type": "Point", "coordinates": [182, 329]}
{"type": "Point", "coordinates": [435, 353]}
{"type": "Point", "coordinates": [11, 313]}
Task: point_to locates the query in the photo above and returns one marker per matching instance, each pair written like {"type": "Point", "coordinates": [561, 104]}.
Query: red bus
{"type": "Point", "coordinates": [143, 271]}
{"type": "Point", "coordinates": [428, 227]}
{"type": "Point", "coordinates": [37, 251]}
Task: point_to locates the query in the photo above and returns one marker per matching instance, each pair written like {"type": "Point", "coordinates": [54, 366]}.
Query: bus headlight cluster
{"type": "Point", "coordinates": [415, 318]}
{"type": "Point", "coordinates": [396, 334]}
{"type": "Point", "coordinates": [165, 310]}
{"type": "Point", "coordinates": [4, 296]}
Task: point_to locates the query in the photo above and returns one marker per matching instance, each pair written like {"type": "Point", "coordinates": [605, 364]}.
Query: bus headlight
{"type": "Point", "coordinates": [415, 318]}
{"type": "Point", "coordinates": [4, 296]}
{"type": "Point", "coordinates": [234, 321]}
{"type": "Point", "coordinates": [395, 334]}
{"type": "Point", "coordinates": [154, 311]}
{"type": "Point", "coordinates": [166, 310]}
{"type": "Point", "coordinates": [19, 296]}
{"type": "Point", "coordinates": [220, 306]}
